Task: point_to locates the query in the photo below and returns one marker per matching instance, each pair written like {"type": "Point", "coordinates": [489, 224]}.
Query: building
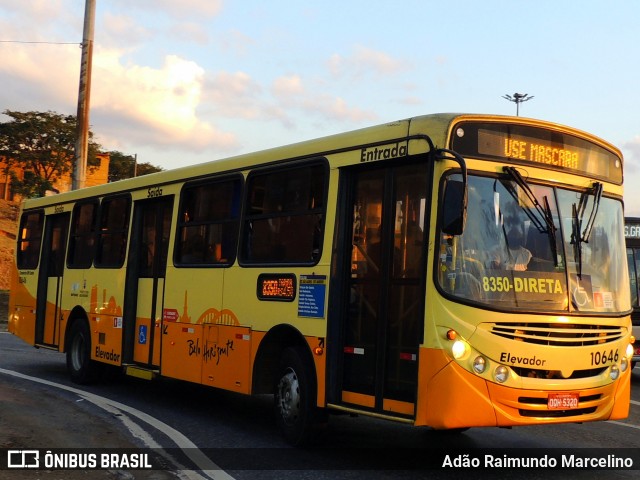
{"type": "Point", "coordinates": [95, 176]}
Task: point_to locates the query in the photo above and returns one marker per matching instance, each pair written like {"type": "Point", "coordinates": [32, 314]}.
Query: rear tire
{"type": "Point", "coordinates": [294, 397]}
{"type": "Point", "coordinates": [81, 368]}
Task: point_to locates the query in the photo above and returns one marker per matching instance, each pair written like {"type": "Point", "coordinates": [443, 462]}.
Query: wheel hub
{"type": "Point", "coordinates": [289, 396]}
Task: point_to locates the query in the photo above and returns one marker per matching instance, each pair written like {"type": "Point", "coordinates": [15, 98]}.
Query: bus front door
{"type": "Point", "coordinates": [381, 319]}
{"type": "Point", "coordinates": [144, 297]}
{"type": "Point", "coordinates": [48, 311]}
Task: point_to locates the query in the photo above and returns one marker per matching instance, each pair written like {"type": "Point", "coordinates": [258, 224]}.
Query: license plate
{"type": "Point", "coordinates": [561, 401]}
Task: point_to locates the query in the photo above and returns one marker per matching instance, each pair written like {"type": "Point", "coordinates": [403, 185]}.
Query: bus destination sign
{"type": "Point", "coordinates": [535, 145]}
{"type": "Point", "coordinates": [279, 287]}
{"type": "Point", "coordinates": [522, 148]}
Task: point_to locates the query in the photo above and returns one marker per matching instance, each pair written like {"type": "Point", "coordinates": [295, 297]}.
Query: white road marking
{"type": "Point", "coordinates": [629, 425]}
{"type": "Point", "coordinates": [210, 469]}
{"type": "Point", "coordinates": [624, 424]}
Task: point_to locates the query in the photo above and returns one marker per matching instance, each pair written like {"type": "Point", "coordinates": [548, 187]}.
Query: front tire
{"type": "Point", "coordinates": [81, 368]}
{"type": "Point", "coordinates": [294, 398]}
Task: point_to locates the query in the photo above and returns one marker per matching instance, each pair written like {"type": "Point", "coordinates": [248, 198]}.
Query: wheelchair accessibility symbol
{"type": "Point", "coordinates": [142, 334]}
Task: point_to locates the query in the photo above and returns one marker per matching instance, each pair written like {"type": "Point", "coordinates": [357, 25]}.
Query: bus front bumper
{"type": "Point", "coordinates": [451, 397]}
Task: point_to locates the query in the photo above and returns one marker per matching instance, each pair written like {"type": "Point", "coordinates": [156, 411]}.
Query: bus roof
{"type": "Point", "coordinates": [436, 126]}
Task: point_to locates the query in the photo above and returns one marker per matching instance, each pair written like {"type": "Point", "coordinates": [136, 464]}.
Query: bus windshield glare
{"type": "Point", "coordinates": [535, 247]}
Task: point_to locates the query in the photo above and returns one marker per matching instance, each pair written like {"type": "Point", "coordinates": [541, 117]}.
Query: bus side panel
{"type": "Point", "coordinates": [182, 351]}
{"type": "Point", "coordinates": [448, 398]}
{"type": "Point", "coordinates": [102, 303]}
{"type": "Point", "coordinates": [622, 400]}
{"type": "Point", "coordinates": [22, 306]}
{"type": "Point", "coordinates": [317, 346]}
{"type": "Point", "coordinates": [192, 299]}
{"type": "Point", "coordinates": [106, 338]}
{"type": "Point", "coordinates": [226, 354]}
{"type": "Point", "coordinates": [240, 297]}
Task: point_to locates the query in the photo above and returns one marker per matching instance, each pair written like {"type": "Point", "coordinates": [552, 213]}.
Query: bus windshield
{"type": "Point", "coordinates": [535, 247]}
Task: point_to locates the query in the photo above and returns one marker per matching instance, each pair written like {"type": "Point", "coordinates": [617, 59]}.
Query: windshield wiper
{"type": "Point", "coordinates": [521, 182]}
{"type": "Point", "coordinates": [576, 239]}
{"type": "Point", "coordinates": [596, 191]}
{"type": "Point", "coordinates": [551, 231]}
{"type": "Point", "coordinates": [578, 235]}
{"type": "Point", "coordinates": [545, 213]}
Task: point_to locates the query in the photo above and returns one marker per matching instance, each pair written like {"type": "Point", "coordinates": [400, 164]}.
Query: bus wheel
{"type": "Point", "coordinates": [294, 397]}
{"type": "Point", "coordinates": [79, 364]}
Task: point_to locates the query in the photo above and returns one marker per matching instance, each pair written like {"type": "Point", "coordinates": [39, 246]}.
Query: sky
{"type": "Point", "coordinates": [181, 82]}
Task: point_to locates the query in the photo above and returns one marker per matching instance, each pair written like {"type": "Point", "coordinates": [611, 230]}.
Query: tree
{"type": "Point", "coordinates": [123, 166]}
{"type": "Point", "coordinates": [42, 144]}
{"type": "Point", "coordinates": [146, 168]}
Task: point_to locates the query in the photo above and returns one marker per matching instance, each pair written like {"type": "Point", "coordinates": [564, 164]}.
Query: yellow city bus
{"type": "Point", "coordinates": [450, 271]}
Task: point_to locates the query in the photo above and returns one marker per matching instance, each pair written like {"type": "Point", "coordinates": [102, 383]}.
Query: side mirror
{"type": "Point", "coordinates": [454, 207]}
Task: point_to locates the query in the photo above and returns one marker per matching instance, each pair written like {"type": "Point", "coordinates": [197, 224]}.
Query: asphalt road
{"type": "Point", "coordinates": [238, 432]}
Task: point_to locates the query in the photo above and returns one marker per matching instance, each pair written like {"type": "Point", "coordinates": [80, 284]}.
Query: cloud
{"type": "Point", "coordinates": [234, 95]}
{"type": "Point", "coordinates": [290, 93]}
{"type": "Point", "coordinates": [161, 102]}
{"type": "Point", "coordinates": [39, 77]}
{"type": "Point", "coordinates": [154, 106]}
{"type": "Point", "coordinates": [121, 31]}
{"type": "Point", "coordinates": [36, 10]}
{"type": "Point", "coordinates": [287, 88]}
{"type": "Point", "coordinates": [177, 8]}
{"type": "Point", "coordinates": [411, 101]}
{"type": "Point", "coordinates": [365, 61]}
{"type": "Point", "coordinates": [336, 108]}
{"type": "Point", "coordinates": [191, 32]}
{"type": "Point", "coordinates": [235, 42]}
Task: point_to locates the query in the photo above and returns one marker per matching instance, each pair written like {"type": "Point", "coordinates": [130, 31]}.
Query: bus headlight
{"type": "Point", "coordinates": [624, 363]}
{"type": "Point", "coordinates": [629, 351]}
{"type": "Point", "coordinates": [479, 364]}
{"type": "Point", "coordinates": [458, 349]}
{"type": "Point", "coordinates": [615, 372]}
{"type": "Point", "coordinates": [501, 374]}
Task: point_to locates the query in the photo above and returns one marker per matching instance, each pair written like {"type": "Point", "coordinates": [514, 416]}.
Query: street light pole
{"type": "Point", "coordinates": [84, 91]}
{"type": "Point", "coordinates": [518, 98]}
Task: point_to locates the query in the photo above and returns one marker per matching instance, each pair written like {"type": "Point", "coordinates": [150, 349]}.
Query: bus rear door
{"type": "Point", "coordinates": [48, 312]}
{"type": "Point", "coordinates": [144, 291]}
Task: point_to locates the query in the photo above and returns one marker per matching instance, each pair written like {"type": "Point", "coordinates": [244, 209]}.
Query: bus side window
{"type": "Point", "coordinates": [208, 223]}
{"type": "Point", "coordinates": [29, 239]}
{"type": "Point", "coordinates": [113, 228]}
{"type": "Point", "coordinates": [284, 220]}
{"type": "Point", "coordinates": [83, 234]}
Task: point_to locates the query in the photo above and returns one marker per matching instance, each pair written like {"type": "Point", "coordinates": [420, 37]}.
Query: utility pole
{"type": "Point", "coordinates": [518, 98]}
{"type": "Point", "coordinates": [84, 95]}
